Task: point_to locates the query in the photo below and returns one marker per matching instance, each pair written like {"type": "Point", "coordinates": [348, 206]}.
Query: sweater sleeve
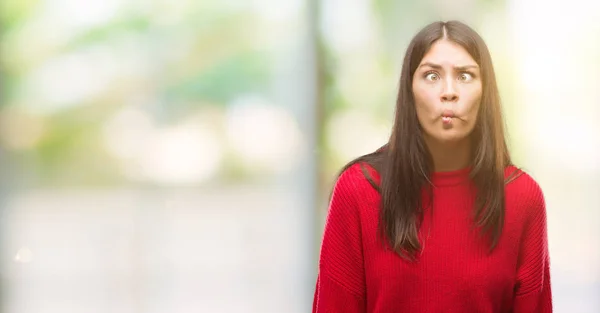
{"type": "Point", "coordinates": [533, 292]}
{"type": "Point", "coordinates": [341, 283]}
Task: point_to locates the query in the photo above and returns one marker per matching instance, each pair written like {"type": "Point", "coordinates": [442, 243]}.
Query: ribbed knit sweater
{"type": "Point", "coordinates": [453, 272]}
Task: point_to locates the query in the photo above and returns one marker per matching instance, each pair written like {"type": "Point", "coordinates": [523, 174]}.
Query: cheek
{"type": "Point", "coordinates": [472, 115]}
{"type": "Point", "coordinates": [472, 110]}
{"type": "Point", "coordinates": [473, 100]}
{"type": "Point", "coordinates": [421, 116]}
{"type": "Point", "coordinates": [424, 100]}
{"type": "Point", "coordinates": [423, 111]}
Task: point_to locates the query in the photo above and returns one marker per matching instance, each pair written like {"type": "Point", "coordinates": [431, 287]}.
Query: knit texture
{"type": "Point", "coordinates": [453, 272]}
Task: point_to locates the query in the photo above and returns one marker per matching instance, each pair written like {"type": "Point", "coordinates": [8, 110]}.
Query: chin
{"type": "Point", "coordinates": [451, 137]}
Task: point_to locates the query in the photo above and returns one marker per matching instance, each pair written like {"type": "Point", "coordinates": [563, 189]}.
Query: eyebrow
{"type": "Point", "coordinates": [459, 68]}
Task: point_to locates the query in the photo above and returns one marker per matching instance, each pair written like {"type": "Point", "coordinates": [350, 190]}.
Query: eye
{"type": "Point", "coordinates": [465, 76]}
{"type": "Point", "coordinates": [432, 76]}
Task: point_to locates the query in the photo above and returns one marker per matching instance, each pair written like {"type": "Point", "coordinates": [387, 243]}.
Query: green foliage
{"type": "Point", "coordinates": [241, 73]}
{"type": "Point", "coordinates": [136, 24]}
{"type": "Point", "coordinates": [14, 12]}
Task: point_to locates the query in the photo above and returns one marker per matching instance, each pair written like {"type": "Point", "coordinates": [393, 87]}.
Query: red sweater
{"type": "Point", "coordinates": [452, 273]}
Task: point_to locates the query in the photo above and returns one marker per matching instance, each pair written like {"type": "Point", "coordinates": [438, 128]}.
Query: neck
{"type": "Point", "coordinates": [449, 156]}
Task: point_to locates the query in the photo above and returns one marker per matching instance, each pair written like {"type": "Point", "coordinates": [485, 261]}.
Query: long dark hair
{"type": "Point", "coordinates": [404, 163]}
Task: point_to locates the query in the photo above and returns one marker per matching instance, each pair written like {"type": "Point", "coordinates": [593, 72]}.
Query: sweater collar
{"type": "Point", "coordinates": [451, 178]}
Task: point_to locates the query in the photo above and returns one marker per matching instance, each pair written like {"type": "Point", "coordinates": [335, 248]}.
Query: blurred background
{"type": "Point", "coordinates": [176, 156]}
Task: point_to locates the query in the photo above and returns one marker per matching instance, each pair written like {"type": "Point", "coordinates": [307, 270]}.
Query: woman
{"type": "Point", "coordinates": [438, 219]}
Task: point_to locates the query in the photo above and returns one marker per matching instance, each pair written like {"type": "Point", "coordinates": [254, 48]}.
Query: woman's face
{"type": "Point", "coordinates": [447, 90]}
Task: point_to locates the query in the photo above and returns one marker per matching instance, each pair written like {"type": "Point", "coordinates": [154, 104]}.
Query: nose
{"type": "Point", "coordinates": [449, 94]}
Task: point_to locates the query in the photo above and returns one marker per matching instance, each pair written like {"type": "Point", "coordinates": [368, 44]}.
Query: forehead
{"type": "Point", "coordinates": [445, 52]}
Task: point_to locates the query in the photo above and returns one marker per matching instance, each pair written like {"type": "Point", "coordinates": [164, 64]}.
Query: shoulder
{"type": "Point", "coordinates": [356, 178]}
{"type": "Point", "coordinates": [346, 200]}
{"type": "Point", "coordinates": [352, 186]}
{"type": "Point", "coordinates": [524, 191]}
{"type": "Point", "coordinates": [519, 180]}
